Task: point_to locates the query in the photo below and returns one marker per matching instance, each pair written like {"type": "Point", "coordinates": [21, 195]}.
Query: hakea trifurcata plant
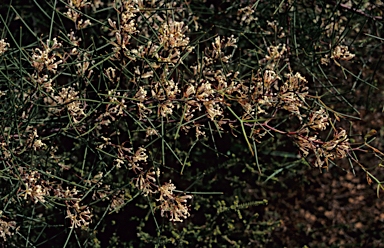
{"type": "Point", "coordinates": [207, 92]}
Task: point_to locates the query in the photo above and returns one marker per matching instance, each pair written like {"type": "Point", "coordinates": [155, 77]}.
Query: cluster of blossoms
{"type": "Point", "coordinates": [172, 35]}
{"type": "Point", "coordinates": [35, 188]}
{"type": "Point", "coordinates": [83, 66]}
{"type": "Point", "coordinates": [3, 46]}
{"type": "Point", "coordinates": [74, 14]}
{"type": "Point", "coordinates": [246, 15]}
{"type": "Point", "coordinates": [45, 58]}
{"type": "Point", "coordinates": [74, 41]}
{"type": "Point", "coordinates": [123, 33]}
{"type": "Point", "coordinates": [275, 53]}
{"type": "Point", "coordinates": [79, 216]}
{"type": "Point", "coordinates": [44, 62]}
{"type": "Point", "coordinates": [339, 52]}
{"type": "Point", "coordinates": [174, 205]}
{"type": "Point", "coordinates": [338, 147]}
{"type": "Point", "coordinates": [332, 25]}
{"type": "Point", "coordinates": [6, 227]}
{"type": "Point", "coordinates": [266, 91]}
{"type": "Point", "coordinates": [38, 189]}
{"type": "Point", "coordinates": [66, 99]}
{"type": "Point", "coordinates": [145, 181]}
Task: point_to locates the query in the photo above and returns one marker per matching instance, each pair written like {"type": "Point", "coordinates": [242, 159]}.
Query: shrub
{"type": "Point", "coordinates": [141, 123]}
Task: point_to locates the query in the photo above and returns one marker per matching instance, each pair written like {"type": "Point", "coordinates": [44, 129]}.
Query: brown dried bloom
{"type": "Point", "coordinates": [306, 144]}
{"type": "Point", "coordinates": [293, 93]}
{"type": "Point", "coordinates": [338, 147]}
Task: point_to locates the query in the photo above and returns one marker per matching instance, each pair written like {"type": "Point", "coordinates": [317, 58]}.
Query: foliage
{"type": "Point", "coordinates": [157, 123]}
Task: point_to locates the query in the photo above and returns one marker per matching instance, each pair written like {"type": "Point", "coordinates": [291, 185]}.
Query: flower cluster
{"type": "Point", "coordinates": [74, 14]}
{"type": "Point", "coordinates": [338, 147]}
{"type": "Point", "coordinates": [146, 182]}
{"type": "Point", "coordinates": [66, 98]}
{"type": "Point", "coordinates": [79, 216]}
{"type": "Point", "coordinates": [35, 188]}
{"type": "Point", "coordinates": [172, 35]}
{"type": "Point", "coordinates": [247, 15]}
{"type": "Point", "coordinates": [123, 33]}
{"type": "Point", "coordinates": [46, 58]}
{"type": "Point", "coordinates": [3, 46]}
{"type": "Point", "coordinates": [276, 52]}
{"type": "Point", "coordinates": [6, 227]}
{"type": "Point", "coordinates": [341, 52]}
{"type": "Point", "coordinates": [171, 204]}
